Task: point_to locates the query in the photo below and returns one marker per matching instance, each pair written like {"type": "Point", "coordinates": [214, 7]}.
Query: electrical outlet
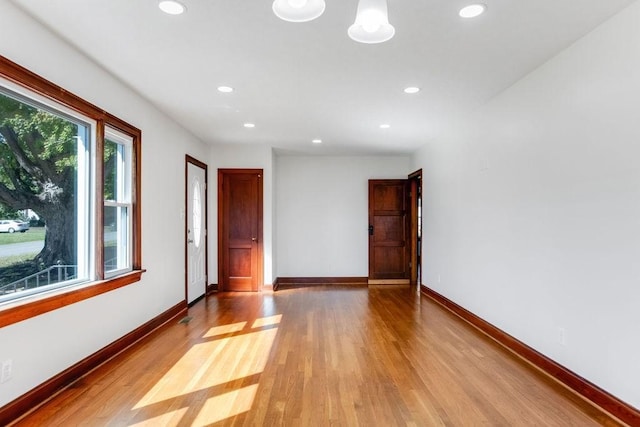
{"type": "Point", "coordinates": [562, 336]}
{"type": "Point", "coordinates": [438, 278]}
{"type": "Point", "coordinates": [6, 371]}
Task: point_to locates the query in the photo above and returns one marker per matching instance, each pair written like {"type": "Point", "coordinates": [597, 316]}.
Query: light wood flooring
{"type": "Point", "coordinates": [322, 356]}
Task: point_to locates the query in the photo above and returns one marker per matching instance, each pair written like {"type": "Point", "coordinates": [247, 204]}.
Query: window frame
{"type": "Point", "coordinates": [21, 309]}
{"type": "Point", "coordinates": [125, 169]}
{"type": "Point", "coordinates": [84, 180]}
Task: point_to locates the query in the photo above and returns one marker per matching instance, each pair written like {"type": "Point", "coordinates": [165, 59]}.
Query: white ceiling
{"type": "Point", "coordinates": [300, 81]}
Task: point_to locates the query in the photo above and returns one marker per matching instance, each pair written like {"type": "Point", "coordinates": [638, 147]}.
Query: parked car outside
{"type": "Point", "coordinates": [12, 225]}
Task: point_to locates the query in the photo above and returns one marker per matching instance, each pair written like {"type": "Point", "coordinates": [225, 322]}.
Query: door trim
{"type": "Point", "coordinates": [198, 163]}
{"type": "Point", "coordinates": [222, 225]}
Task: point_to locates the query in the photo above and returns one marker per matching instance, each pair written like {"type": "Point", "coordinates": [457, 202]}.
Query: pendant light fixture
{"type": "Point", "coordinates": [172, 7]}
{"type": "Point", "coordinates": [372, 23]}
{"type": "Point", "coordinates": [298, 10]}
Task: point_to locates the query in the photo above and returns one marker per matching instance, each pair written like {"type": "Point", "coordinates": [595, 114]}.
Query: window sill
{"type": "Point", "coordinates": [20, 310]}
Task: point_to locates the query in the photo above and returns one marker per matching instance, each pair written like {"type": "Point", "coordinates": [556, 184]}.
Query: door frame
{"type": "Point", "coordinates": [415, 191]}
{"type": "Point", "coordinates": [205, 204]}
{"type": "Point", "coordinates": [407, 229]}
{"type": "Point", "coordinates": [222, 225]}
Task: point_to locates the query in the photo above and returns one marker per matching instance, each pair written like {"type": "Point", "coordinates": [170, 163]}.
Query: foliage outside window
{"type": "Point", "coordinates": [117, 201]}
{"type": "Point", "coordinates": [68, 190]}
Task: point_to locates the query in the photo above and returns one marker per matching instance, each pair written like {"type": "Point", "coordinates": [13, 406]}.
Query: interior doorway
{"type": "Point", "coordinates": [195, 229]}
{"type": "Point", "coordinates": [415, 188]}
{"type": "Point", "coordinates": [240, 247]}
{"type": "Point", "coordinates": [389, 228]}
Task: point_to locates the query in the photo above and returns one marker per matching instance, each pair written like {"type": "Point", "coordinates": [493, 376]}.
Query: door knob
{"type": "Point", "coordinates": [254, 239]}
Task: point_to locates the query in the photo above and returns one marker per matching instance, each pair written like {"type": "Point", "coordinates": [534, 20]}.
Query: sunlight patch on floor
{"type": "Point", "coordinates": [168, 419]}
{"type": "Point", "coordinates": [267, 321]}
{"type": "Point", "coordinates": [225, 329]}
{"type": "Point", "coordinates": [226, 405]}
{"type": "Point", "coordinates": [212, 363]}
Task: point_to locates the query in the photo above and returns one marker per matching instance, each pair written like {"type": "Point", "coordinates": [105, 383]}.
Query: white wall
{"type": "Point", "coordinates": [47, 344]}
{"type": "Point", "coordinates": [241, 157]}
{"type": "Point", "coordinates": [532, 208]}
{"type": "Point", "coordinates": [322, 211]}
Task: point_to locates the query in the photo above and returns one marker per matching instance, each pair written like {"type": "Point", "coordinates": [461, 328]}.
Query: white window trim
{"type": "Point", "coordinates": [86, 196]}
{"type": "Point", "coordinates": [124, 198]}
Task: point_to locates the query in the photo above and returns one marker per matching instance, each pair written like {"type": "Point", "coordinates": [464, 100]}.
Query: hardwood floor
{"type": "Point", "coordinates": [317, 356]}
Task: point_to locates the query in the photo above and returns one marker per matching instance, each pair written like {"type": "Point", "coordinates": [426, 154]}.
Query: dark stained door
{"type": "Point", "coordinates": [415, 187]}
{"type": "Point", "coordinates": [240, 229]}
{"type": "Point", "coordinates": [389, 244]}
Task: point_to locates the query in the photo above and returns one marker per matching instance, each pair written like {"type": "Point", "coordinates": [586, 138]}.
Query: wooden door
{"type": "Point", "coordinates": [415, 186]}
{"type": "Point", "coordinates": [389, 243]}
{"type": "Point", "coordinates": [240, 229]}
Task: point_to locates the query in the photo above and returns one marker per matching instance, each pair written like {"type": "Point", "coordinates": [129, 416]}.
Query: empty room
{"type": "Point", "coordinates": [319, 212]}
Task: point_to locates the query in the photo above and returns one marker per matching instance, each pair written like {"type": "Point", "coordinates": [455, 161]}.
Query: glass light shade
{"type": "Point", "coordinates": [298, 10]}
{"type": "Point", "coordinates": [472, 10]}
{"type": "Point", "coordinates": [372, 23]}
{"type": "Point", "coordinates": [171, 7]}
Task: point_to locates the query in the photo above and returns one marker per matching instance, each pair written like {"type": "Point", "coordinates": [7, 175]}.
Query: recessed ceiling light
{"type": "Point", "coordinates": [385, 126]}
{"type": "Point", "coordinates": [411, 89]}
{"type": "Point", "coordinates": [472, 10]}
{"type": "Point", "coordinates": [317, 141]}
{"type": "Point", "coordinates": [172, 7]}
{"type": "Point", "coordinates": [225, 89]}
{"type": "Point", "coordinates": [249, 125]}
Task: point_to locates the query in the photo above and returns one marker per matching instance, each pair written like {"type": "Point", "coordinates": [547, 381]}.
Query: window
{"type": "Point", "coordinates": [117, 202]}
{"type": "Point", "coordinates": [69, 197]}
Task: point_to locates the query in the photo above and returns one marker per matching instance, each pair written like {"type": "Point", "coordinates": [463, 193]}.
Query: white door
{"type": "Point", "coordinates": [196, 232]}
